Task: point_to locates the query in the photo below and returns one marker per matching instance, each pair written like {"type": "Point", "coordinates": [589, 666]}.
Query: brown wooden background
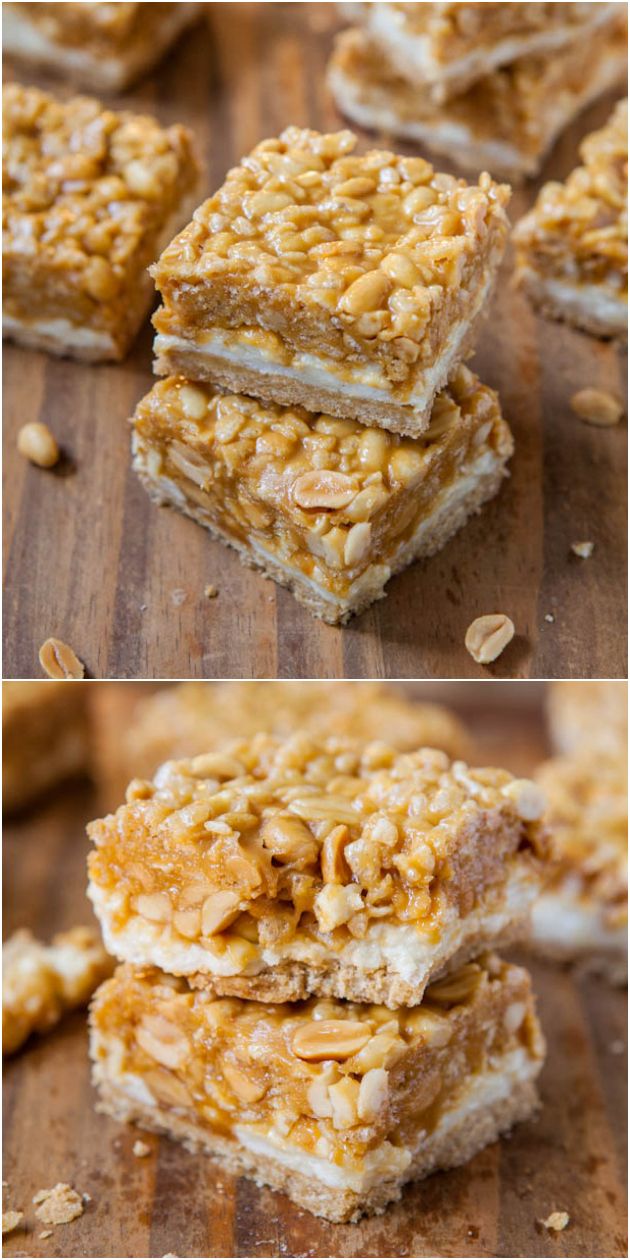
{"type": "Point", "coordinates": [90, 560]}
{"type": "Point", "coordinates": [571, 1159]}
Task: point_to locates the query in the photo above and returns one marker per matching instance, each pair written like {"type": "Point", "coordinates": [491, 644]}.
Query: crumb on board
{"type": "Point", "coordinates": [46, 1233]}
{"type": "Point", "coordinates": [10, 1221]}
{"type": "Point", "coordinates": [58, 1206]}
{"type": "Point", "coordinates": [617, 1046]}
{"type": "Point", "coordinates": [582, 549]}
{"type": "Point", "coordinates": [549, 617]}
{"type": "Point", "coordinates": [140, 1149]}
{"type": "Point", "coordinates": [210, 591]}
{"type": "Point", "coordinates": [556, 1221]}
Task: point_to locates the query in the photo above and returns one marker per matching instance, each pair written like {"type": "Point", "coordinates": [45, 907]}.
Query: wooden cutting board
{"type": "Point", "coordinates": [90, 560]}
{"type": "Point", "coordinates": [572, 1158]}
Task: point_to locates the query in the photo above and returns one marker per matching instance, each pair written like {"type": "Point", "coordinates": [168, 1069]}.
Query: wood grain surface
{"type": "Point", "coordinates": [572, 1158]}
{"type": "Point", "coordinates": [90, 560]}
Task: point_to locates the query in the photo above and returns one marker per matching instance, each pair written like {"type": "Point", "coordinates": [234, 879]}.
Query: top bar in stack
{"type": "Point", "coordinates": [444, 48]}
{"type": "Point", "coordinates": [277, 869]}
{"type": "Point", "coordinates": [346, 283]}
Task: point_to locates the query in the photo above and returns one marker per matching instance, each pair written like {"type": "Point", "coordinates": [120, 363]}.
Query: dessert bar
{"type": "Point", "coordinates": [338, 1105]}
{"type": "Point", "coordinates": [103, 47]}
{"type": "Point", "coordinates": [324, 506]}
{"type": "Point", "coordinates": [572, 248]}
{"type": "Point", "coordinates": [505, 123]}
{"type": "Point", "coordinates": [90, 197]}
{"type": "Point", "coordinates": [589, 715]}
{"type": "Point", "coordinates": [196, 717]}
{"type": "Point", "coordinates": [444, 48]}
{"type": "Point", "coordinates": [582, 914]}
{"type": "Point", "coordinates": [342, 282]}
{"type": "Point", "coordinates": [275, 869]}
{"type": "Point", "coordinates": [41, 982]}
{"type": "Point", "coordinates": [44, 738]}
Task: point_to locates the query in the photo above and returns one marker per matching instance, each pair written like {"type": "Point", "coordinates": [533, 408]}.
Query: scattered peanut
{"type": "Point", "coordinates": [59, 661]}
{"type": "Point", "coordinates": [487, 636]}
{"type": "Point", "coordinates": [597, 406]}
{"type": "Point", "coordinates": [556, 1221]}
{"type": "Point", "coordinates": [37, 444]}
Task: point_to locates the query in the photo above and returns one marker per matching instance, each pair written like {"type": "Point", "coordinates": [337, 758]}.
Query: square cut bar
{"type": "Point", "coordinates": [336, 1104]}
{"type": "Point", "coordinates": [442, 49]}
{"type": "Point", "coordinates": [506, 123]}
{"type": "Point", "coordinates": [276, 869]}
{"type": "Point", "coordinates": [572, 247]}
{"type": "Point", "coordinates": [44, 738]}
{"type": "Point", "coordinates": [582, 914]}
{"type": "Point", "coordinates": [343, 282]}
{"type": "Point", "coordinates": [197, 717]}
{"type": "Point", "coordinates": [103, 47]}
{"type": "Point", "coordinates": [324, 506]}
{"type": "Point", "coordinates": [89, 198]}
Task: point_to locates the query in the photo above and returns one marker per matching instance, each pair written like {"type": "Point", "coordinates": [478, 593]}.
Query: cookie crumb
{"type": "Point", "coordinates": [140, 1149]}
{"type": "Point", "coordinates": [10, 1221]}
{"type": "Point", "coordinates": [549, 617]}
{"type": "Point", "coordinates": [178, 597]}
{"type": "Point", "coordinates": [582, 549]}
{"type": "Point", "coordinates": [616, 1047]}
{"type": "Point", "coordinates": [556, 1221]}
{"type": "Point", "coordinates": [58, 1206]}
{"type": "Point", "coordinates": [210, 591]}
{"type": "Point", "coordinates": [46, 1233]}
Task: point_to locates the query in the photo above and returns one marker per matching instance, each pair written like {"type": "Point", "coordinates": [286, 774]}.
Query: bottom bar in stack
{"type": "Point", "coordinates": [337, 1104]}
{"type": "Point", "coordinates": [324, 506]}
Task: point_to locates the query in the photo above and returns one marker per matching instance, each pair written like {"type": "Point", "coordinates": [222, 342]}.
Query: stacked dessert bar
{"type": "Point", "coordinates": [308, 986]}
{"type": "Point", "coordinates": [316, 414]}
{"type": "Point", "coordinates": [486, 85]}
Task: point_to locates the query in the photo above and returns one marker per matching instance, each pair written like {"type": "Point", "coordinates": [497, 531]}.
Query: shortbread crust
{"type": "Point", "coordinates": [89, 196]}
{"type": "Point", "coordinates": [310, 253]}
{"type": "Point", "coordinates": [506, 123]}
{"type": "Point", "coordinates": [572, 247]}
{"type": "Point", "coordinates": [325, 506]}
{"type": "Point", "coordinates": [371, 869]}
{"type": "Point", "coordinates": [102, 47]}
{"type": "Point", "coordinates": [389, 1096]}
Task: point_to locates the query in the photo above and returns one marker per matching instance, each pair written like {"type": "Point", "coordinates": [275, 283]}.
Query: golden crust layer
{"type": "Point", "coordinates": [360, 1088]}
{"type": "Point", "coordinates": [87, 195]}
{"type": "Point", "coordinates": [271, 851]}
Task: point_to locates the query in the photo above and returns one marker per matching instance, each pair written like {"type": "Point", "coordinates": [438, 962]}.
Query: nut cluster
{"type": "Point", "coordinates": [335, 481]}
{"type": "Point", "coordinates": [40, 982]}
{"type": "Point", "coordinates": [267, 831]}
{"type": "Point", "coordinates": [372, 242]}
{"type": "Point", "coordinates": [99, 27]}
{"type": "Point", "coordinates": [580, 228]}
{"type": "Point", "coordinates": [85, 188]}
